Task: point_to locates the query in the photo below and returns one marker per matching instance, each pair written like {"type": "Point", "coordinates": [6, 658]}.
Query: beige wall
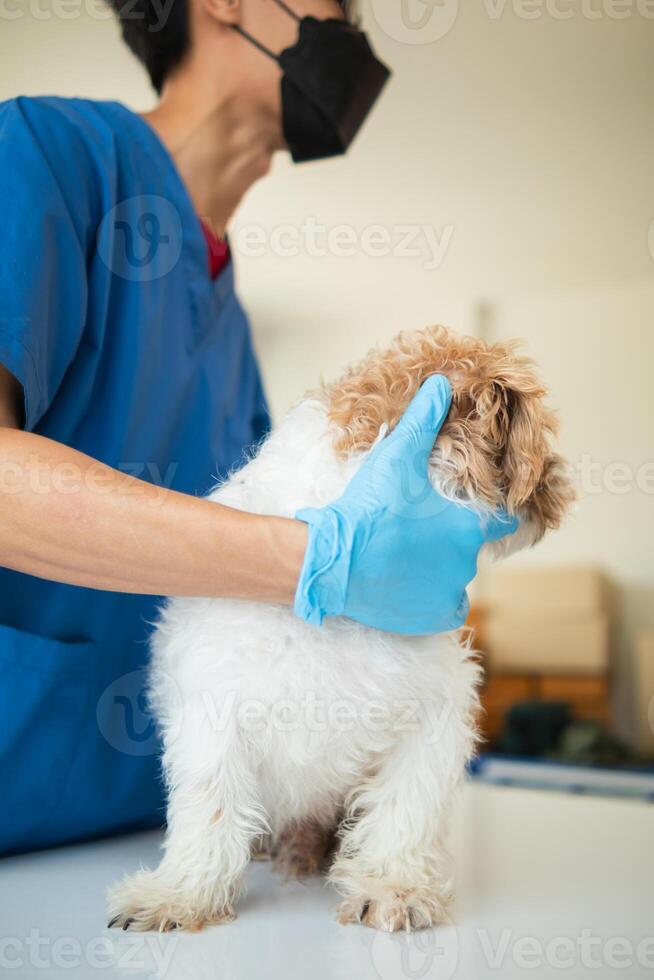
{"type": "Point", "coordinates": [527, 145]}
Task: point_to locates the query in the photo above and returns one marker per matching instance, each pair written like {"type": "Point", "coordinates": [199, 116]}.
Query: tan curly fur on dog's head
{"type": "Point", "coordinates": [495, 447]}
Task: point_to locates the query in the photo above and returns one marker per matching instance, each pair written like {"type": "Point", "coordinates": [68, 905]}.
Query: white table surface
{"type": "Point", "coordinates": [549, 885]}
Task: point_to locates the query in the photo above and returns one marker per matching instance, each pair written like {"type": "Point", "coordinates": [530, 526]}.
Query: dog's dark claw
{"type": "Point", "coordinates": [113, 922]}
{"type": "Point", "coordinates": [363, 911]}
{"type": "Point", "coordinates": [126, 924]}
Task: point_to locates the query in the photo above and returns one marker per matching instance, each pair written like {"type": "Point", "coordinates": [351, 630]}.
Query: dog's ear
{"type": "Point", "coordinates": [553, 496]}
{"type": "Point", "coordinates": [529, 427]}
{"type": "Point", "coordinates": [537, 484]}
{"type": "Point", "coordinates": [497, 443]}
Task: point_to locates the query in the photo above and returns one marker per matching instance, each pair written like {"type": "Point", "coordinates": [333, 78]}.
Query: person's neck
{"type": "Point", "coordinates": [191, 127]}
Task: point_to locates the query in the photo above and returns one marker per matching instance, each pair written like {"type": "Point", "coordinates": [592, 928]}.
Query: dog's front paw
{"type": "Point", "coordinates": [147, 902]}
{"type": "Point", "coordinates": [394, 909]}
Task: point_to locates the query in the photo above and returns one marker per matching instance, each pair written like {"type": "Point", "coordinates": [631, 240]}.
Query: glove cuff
{"type": "Point", "coordinates": [322, 586]}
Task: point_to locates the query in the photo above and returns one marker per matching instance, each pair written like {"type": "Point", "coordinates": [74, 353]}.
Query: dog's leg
{"type": "Point", "coordinates": [212, 823]}
{"type": "Point", "coordinates": [392, 866]}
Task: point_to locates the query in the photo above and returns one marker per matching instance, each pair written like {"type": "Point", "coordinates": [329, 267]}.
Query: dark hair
{"type": "Point", "coordinates": [159, 34]}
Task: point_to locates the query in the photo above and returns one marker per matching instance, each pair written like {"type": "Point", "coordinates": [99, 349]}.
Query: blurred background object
{"type": "Point", "coordinates": [502, 186]}
{"type": "Point", "coordinates": [546, 639]}
{"type": "Point", "coordinates": [645, 691]}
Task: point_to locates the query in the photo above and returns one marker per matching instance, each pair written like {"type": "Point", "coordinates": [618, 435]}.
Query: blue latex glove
{"type": "Point", "coordinates": [392, 552]}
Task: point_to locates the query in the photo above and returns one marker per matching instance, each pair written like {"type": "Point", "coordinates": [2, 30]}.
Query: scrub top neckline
{"type": "Point", "coordinates": [211, 294]}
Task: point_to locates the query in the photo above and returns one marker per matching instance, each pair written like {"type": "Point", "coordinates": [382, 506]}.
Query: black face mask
{"type": "Point", "coordinates": [330, 83]}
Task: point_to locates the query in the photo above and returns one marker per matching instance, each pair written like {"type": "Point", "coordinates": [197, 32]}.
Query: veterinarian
{"type": "Point", "coordinates": [128, 383]}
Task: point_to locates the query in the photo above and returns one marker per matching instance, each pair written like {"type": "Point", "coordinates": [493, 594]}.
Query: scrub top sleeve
{"type": "Point", "coordinates": [43, 278]}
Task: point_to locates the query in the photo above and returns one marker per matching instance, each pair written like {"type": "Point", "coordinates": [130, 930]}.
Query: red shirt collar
{"type": "Point", "coordinates": [217, 249]}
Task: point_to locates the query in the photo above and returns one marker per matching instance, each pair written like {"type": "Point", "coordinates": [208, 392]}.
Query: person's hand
{"type": "Point", "coordinates": [392, 552]}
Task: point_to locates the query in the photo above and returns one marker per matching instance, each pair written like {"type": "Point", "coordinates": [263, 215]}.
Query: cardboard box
{"type": "Point", "coordinates": [541, 644]}
{"type": "Point", "coordinates": [587, 696]}
{"type": "Point", "coordinates": [644, 677]}
{"type": "Point", "coordinates": [565, 591]}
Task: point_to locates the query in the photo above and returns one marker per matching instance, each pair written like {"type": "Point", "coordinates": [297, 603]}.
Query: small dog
{"type": "Point", "coordinates": [285, 737]}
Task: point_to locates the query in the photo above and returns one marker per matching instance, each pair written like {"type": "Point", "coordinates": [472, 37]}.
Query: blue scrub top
{"type": "Point", "coordinates": [127, 351]}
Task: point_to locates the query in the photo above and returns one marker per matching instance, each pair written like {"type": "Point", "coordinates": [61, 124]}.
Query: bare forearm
{"type": "Point", "coordinates": [66, 517]}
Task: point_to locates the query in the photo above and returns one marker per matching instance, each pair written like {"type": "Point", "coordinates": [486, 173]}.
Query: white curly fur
{"type": "Point", "coordinates": [254, 707]}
